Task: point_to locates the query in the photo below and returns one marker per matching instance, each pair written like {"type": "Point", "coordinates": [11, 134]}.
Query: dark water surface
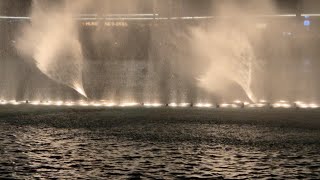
{"type": "Point", "coordinates": [93, 143]}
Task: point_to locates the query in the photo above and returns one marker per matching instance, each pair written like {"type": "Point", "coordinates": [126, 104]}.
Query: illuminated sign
{"type": "Point", "coordinates": [90, 23]}
{"type": "Point", "coordinates": [108, 23]}
{"type": "Point", "coordinates": [123, 24]}
{"type": "Point", "coordinates": [306, 23]}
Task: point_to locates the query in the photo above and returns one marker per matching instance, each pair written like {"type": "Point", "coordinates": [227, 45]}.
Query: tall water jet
{"type": "Point", "coordinates": [51, 41]}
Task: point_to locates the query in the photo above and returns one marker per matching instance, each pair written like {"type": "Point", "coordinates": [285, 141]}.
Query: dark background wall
{"type": "Point", "coordinates": [172, 7]}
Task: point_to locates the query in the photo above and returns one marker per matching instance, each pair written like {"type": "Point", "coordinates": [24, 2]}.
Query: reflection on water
{"type": "Point", "coordinates": [159, 150]}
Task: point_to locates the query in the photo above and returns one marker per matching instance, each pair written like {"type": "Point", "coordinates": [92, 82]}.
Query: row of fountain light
{"type": "Point", "coordinates": [235, 104]}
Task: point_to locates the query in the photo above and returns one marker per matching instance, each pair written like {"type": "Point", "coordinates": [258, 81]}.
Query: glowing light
{"type": "Point", "coordinates": [236, 104]}
{"type": "Point", "coordinates": [96, 104]}
{"type": "Point", "coordinates": [83, 103]}
{"type": "Point", "coordinates": [260, 105]}
{"type": "Point", "coordinates": [186, 17]}
{"type": "Point", "coordinates": [313, 105]}
{"type": "Point", "coordinates": [3, 102]}
{"type": "Point", "coordinates": [36, 103]}
{"type": "Point", "coordinates": [299, 102]}
{"type": "Point", "coordinates": [129, 104]}
{"type": "Point", "coordinates": [184, 104]}
{"type": "Point", "coordinates": [69, 104]}
{"type": "Point", "coordinates": [47, 103]}
{"type": "Point", "coordinates": [148, 105]}
{"type": "Point", "coordinates": [152, 105]}
{"type": "Point", "coordinates": [173, 105]}
{"type": "Point", "coordinates": [278, 15]}
{"type": "Point", "coordinates": [224, 105]}
{"type": "Point", "coordinates": [58, 103]}
{"type": "Point", "coordinates": [205, 105]}
{"type": "Point", "coordinates": [281, 105]}
{"type": "Point", "coordinates": [303, 106]}
{"type": "Point", "coordinates": [306, 23]}
{"type": "Point", "coordinates": [14, 17]}
{"type": "Point", "coordinates": [15, 103]}
{"type": "Point", "coordinates": [276, 105]}
{"type": "Point", "coordinates": [109, 104]}
{"type": "Point", "coordinates": [308, 15]}
{"type": "Point", "coordinates": [128, 15]}
{"type": "Point", "coordinates": [286, 105]}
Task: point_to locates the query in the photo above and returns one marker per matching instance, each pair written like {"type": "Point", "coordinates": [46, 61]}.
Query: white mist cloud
{"type": "Point", "coordinates": [225, 48]}
{"type": "Point", "coordinates": [228, 55]}
{"type": "Point", "coordinates": [51, 40]}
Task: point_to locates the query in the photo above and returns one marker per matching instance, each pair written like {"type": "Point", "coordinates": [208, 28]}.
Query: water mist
{"type": "Point", "coordinates": [228, 55]}
{"type": "Point", "coordinates": [51, 40]}
{"type": "Point", "coordinates": [225, 49]}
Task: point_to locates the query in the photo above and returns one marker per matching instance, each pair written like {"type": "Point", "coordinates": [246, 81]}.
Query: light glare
{"type": "Point", "coordinates": [205, 105]}
{"type": "Point", "coordinates": [173, 105]}
{"type": "Point", "coordinates": [152, 104]}
{"type": "Point", "coordinates": [129, 104]}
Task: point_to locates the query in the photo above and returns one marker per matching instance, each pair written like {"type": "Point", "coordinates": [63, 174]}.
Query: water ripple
{"type": "Point", "coordinates": [159, 151]}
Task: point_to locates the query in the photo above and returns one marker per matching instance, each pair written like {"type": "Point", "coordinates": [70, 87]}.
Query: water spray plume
{"type": "Point", "coordinates": [51, 40]}
{"type": "Point", "coordinates": [80, 90]}
{"type": "Point", "coordinates": [230, 57]}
